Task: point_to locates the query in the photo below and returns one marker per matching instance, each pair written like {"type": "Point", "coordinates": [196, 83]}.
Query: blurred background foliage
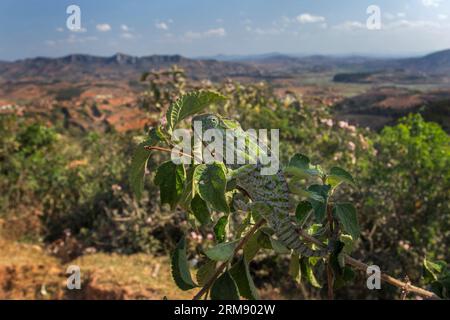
{"type": "Point", "coordinates": [56, 185]}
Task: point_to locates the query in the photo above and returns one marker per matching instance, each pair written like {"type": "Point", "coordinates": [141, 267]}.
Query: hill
{"type": "Point", "coordinates": [118, 67]}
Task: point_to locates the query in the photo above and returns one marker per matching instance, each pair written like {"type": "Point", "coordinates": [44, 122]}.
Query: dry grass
{"type": "Point", "coordinates": [28, 272]}
{"type": "Point", "coordinates": [138, 276]}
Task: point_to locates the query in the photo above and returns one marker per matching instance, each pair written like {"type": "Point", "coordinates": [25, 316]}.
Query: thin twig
{"type": "Point", "coordinates": [167, 150]}
{"type": "Point", "coordinates": [386, 278]}
{"type": "Point", "coordinates": [220, 269]}
{"type": "Point", "coordinates": [196, 158]}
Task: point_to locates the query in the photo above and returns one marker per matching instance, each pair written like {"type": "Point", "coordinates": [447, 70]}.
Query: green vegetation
{"type": "Point", "coordinates": [53, 181]}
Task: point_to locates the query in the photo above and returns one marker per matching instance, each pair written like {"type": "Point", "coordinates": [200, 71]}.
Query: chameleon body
{"type": "Point", "coordinates": [271, 191]}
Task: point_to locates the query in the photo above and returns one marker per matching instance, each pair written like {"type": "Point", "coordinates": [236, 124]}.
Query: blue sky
{"type": "Point", "coordinates": [30, 28]}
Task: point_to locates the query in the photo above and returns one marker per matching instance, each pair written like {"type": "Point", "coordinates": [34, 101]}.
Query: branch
{"type": "Point", "coordinates": [363, 267]}
{"type": "Point", "coordinates": [220, 269]}
{"type": "Point", "coordinates": [150, 148]}
{"type": "Point", "coordinates": [330, 276]}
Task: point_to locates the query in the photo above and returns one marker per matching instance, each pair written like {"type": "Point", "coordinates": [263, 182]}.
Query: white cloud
{"type": "Point", "coordinates": [309, 18]}
{"type": "Point", "coordinates": [127, 35]}
{"type": "Point", "coordinates": [263, 32]}
{"type": "Point", "coordinates": [60, 29]}
{"type": "Point", "coordinates": [442, 16]}
{"type": "Point", "coordinates": [413, 24]}
{"type": "Point", "coordinates": [103, 27]}
{"type": "Point", "coordinates": [75, 39]}
{"type": "Point", "coordinates": [431, 3]}
{"type": "Point", "coordinates": [71, 39]}
{"type": "Point", "coordinates": [161, 26]}
{"type": "Point", "coordinates": [350, 25]}
{"type": "Point", "coordinates": [81, 30]}
{"type": "Point", "coordinates": [219, 32]}
{"type": "Point", "coordinates": [125, 28]}
{"type": "Point", "coordinates": [389, 16]}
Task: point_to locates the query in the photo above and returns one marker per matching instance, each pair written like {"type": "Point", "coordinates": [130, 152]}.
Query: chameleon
{"type": "Point", "coordinates": [270, 192]}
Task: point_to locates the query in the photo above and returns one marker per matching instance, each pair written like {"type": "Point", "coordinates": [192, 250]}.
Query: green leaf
{"type": "Point", "coordinates": [170, 178]}
{"type": "Point", "coordinates": [432, 270]}
{"type": "Point", "coordinates": [302, 211]}
{"type": "Point", "coordinates": [294, 268]}
{"type": "Point", "coordinates": [320, 207]}
{"type": "Point", "coordinates": [222, 252]}
{"type": "Point", "coordinates": [348, 243]}
{"type": "Point", "coordinates": [220, 229]}
{"type": "Point", "coordinates": [278, 246]}
{"type": "Point", "coordinates": [336, 258]}
{"type": "Point", "coordinates": [300, 166]}
{"type": "Point", "coordinates": [211, 182]}
{"type": "Point", "coordinates": [252, 246]}
{"type": "Point", "coordinates": [180, 267]}
{"type": "Point", "coordinates": [348, 275]}
{"type": "Point", "coordinates": [201, 211]}
{"type": "Point", "coordinates": [224, 288]}
{"type": "Point", "coordinates": [241, 275]}
{"type": "Point", "coordinates": [139, 163]}
{"type": "Point", "coordinates": [308, 273]}
{"type": "Point", "coordinates": [264, 240]}
{"type": "Point", "coordinates": [205, 272]}
{"type": "Point", "coordinates": [189, 191]}
{"type": "Point", "coordinates": [190, 104]}
{"type": "Point", "coordinates": [346, 214]}
{"type": "Point", "coordinates": [338, 175]}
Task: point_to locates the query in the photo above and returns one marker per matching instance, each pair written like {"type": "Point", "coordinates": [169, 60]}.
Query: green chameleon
{"type": "Point", "coordinates": [269, 193]}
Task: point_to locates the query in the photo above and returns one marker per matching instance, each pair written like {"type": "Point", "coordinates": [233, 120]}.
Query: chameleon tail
{"type": "Point", "coordinates": [287, 234]}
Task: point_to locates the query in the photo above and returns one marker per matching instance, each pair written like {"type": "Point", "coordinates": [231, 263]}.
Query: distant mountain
{"type": "Point", "coordinates": [120, 66]}
{"type": "Point", "coordinates": [267, 66]}
{"type": "Point", "coordinates": [438, 62]}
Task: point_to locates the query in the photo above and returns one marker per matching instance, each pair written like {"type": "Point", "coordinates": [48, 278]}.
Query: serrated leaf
{"type": "Point", "coordinates": [180, 267]}
{"type": "Point", "coordinates": [302, 211]}
{"type": "Point", "coordinates": [338, 175]}
{"type": "Point", "coordinates": [308, 273]}
{"type": "Point", "coordinates": [211, 183]}
{"type": "Point", "coordinates": [190, 104]}
{"type": "Point", "coordinates": [294, 268]}
{"type": "Point", "coordinates": [241, 274]}
{"type": "Point", "coordinates": [139, 163]}
{"type": "Point", "coordinates": [205, 272]}
{"type": "Point", "coordinates": [220, 229]}
{"type": "Point", "coordinates": [222, 252]}
{"type": "Point", "coordinates": [224, 288]}
{"type": "Point", "coordinates": [201, 211]}
{"type": "Point", "coordinates": [346, 214]}
{"type": "Point", "coordinates": [170, 178]}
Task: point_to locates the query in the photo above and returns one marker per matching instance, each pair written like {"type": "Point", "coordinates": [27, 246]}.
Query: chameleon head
{"type": "Point", "coordinates": [208, 121]}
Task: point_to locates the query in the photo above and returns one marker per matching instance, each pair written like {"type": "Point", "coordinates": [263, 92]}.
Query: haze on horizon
{"type": "Point", "coordinates": [209, 28]}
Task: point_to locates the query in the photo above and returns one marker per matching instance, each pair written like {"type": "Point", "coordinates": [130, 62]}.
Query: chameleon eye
{"type": "Point", "coordinates": [214, 121]}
